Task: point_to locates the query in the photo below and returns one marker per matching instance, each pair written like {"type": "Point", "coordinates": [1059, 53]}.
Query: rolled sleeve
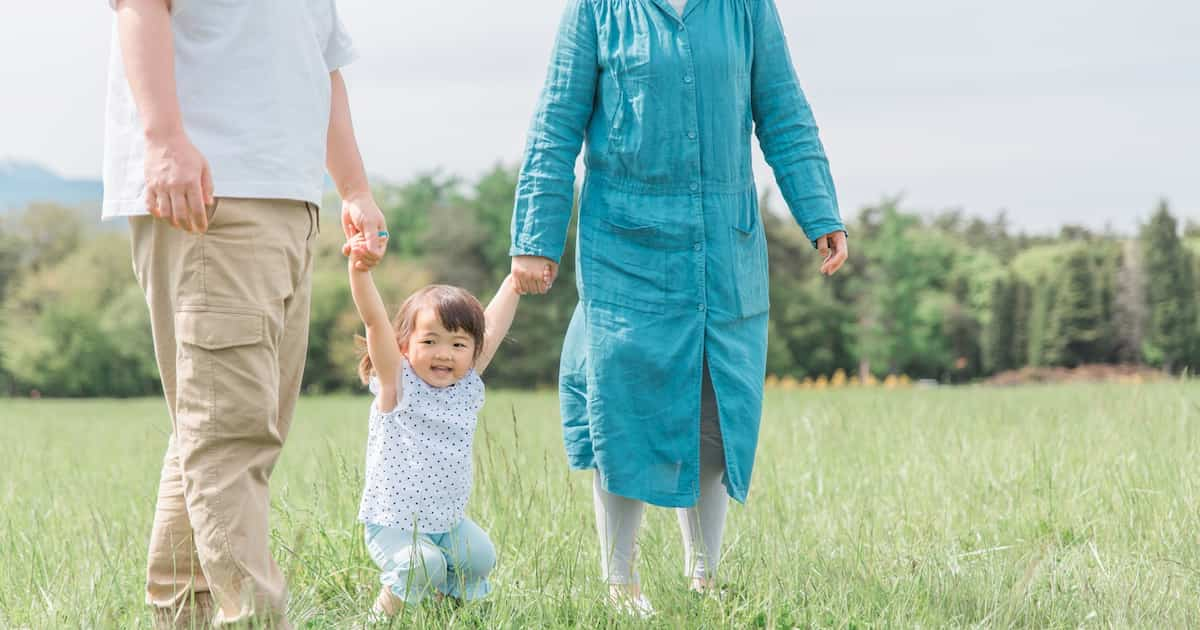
{"type": "Point", "coordinates": [787, 130]}
{"type": "Point", "coordinates": [545, 195]}
{"type": "Point", "coordinates": [339, 51]}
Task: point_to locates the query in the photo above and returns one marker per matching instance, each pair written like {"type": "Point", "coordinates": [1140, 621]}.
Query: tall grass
{"type": "Point", "coordinates": [1046, 507]}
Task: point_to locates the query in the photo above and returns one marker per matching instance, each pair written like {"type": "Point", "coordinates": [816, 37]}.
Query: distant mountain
{"type": "Point", "coordinates": [22, 183]}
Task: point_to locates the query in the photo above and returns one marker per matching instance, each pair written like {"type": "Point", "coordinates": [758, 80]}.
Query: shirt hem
{"type": "Point", "coordinates": [408, 527]}
{"type": "Point", "coordinates": [662, 499]}
{"type": "Point", "coordinates": [118, 208]}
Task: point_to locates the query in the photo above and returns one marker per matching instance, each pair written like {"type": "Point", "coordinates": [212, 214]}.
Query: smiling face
{"type": "Point", "coordinates": [440, 331]}
{"type": "Point", "coordinates": [441, 357]}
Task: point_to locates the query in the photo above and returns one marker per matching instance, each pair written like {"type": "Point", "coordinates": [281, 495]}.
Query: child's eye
{"type": "Point", "coordinates": [460, 345]}
{"type": "Point", "coordinates": [428, 342]}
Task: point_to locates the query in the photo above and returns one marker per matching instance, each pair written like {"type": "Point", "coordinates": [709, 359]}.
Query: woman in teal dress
{"type": "Point", "coordinates": [662, 370]}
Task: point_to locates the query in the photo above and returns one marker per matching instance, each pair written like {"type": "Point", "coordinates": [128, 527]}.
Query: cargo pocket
{"type": "Point", "coordinates": [226, 375]}
{"type": "Point", "coordinates": [750, 263]}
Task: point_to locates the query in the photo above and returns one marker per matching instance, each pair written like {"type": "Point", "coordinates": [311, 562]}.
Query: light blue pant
{"type": "Point", "coordinates": [455, 563]}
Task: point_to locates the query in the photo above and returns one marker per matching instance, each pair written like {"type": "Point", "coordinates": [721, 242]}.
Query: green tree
{"type": "Point", "coordinates": [902, 263]}
{"type": "Point", "coordinates": [81, 327]}
{"type": "Point", "coordinates": [409, 209]}
{"type": "Point", "coordinates": [1170, 293]}
{"type": "Point", "coordinates": [1022, 305]}
{"type": "Point", "coordinates": [11, 251]}
{"type": "Point", "coordinates": [1076, 328]}
{"type": "Point", "coordinates": [1000, 334]}
{"type": "Point", "coordinates": [811, 319]}
{"type": "Point", "coordinates": [49, 234]}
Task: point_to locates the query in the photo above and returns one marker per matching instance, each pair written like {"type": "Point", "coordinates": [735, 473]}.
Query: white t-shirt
{"type": "Point", "coordinates": [679, 5]}
{"type": "Point", "coordinates": [254, 89]}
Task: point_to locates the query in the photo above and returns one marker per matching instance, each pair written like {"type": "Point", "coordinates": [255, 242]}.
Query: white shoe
{"type": "Point", "coordinates": [634, 606]}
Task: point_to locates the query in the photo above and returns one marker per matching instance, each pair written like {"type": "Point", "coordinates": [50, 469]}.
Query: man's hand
{"type": "Point", "coordinates": [361, 216]}
{"type": "Point", "coordinates": [178, 182]}
{"type": "Point", "coordinates": [834, 251]}
{"type": "Point", "coordinates": [533, 274]}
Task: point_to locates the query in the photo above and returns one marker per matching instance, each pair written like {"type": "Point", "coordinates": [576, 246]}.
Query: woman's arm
{"type": "Point", "coordinates": [787, 130]}
{"type": "Point", "coordinates": [381, 339]}
{"type": "Point", "coordinates": [499, 317]}
{"type": "Point", "coordinates": [546, 187]}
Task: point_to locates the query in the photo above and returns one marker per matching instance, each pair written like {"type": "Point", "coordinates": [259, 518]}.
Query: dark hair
{"type": "Point", "coordinates": [456, 307]}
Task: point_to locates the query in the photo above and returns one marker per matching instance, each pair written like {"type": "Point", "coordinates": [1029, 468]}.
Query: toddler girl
{"type": "Point", "coordinates": [423, 367]}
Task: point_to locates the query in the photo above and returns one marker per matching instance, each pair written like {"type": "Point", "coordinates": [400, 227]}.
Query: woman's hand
{"type": "Point", "coordinates": [533, 274]}
{"type": "Point", "coordinates": [834, 251]}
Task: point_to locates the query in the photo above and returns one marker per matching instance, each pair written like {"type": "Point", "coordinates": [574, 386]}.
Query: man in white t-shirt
{"type": "Point", "coordinates": [222, 119]}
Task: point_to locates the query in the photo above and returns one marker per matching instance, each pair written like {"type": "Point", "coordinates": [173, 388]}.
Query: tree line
{"type": "Point", "coordinates": [938, 296]}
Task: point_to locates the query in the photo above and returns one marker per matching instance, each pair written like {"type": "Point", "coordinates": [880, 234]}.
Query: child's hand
{"type": "Point", "coordinates": [510, 282]}
{"type": "Point", "coordinates": [533, 274]}
{"type": "Point", "coordinates": [357, 249]}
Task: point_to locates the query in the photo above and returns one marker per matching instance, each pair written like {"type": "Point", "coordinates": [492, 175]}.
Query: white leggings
{"type": "Point", "coordinates": [702, 525]}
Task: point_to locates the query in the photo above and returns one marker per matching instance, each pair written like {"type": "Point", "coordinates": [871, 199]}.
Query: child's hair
{"type": "Point", "coordinates": [457, 308]}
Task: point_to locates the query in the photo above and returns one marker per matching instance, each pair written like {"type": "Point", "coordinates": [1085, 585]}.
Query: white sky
{"type": "Point", "coordinates": [1083, 111]}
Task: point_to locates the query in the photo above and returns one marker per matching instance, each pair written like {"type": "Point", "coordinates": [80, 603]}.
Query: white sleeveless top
{"type": "Point", "coordinates": [419, 467]}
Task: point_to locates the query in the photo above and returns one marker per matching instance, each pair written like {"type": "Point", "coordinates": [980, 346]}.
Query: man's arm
{"type": "Point", "coordinates": [360, 215]}
{"type": "Point", "coordinates": [178, 180]}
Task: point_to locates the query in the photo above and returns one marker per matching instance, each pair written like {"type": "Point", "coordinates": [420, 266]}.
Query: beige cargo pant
{"type": "Point", "coordinates": [229, 311]}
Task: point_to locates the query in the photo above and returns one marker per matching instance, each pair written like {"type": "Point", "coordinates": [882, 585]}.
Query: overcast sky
{"type": "Point", "coordinates": [1081, 111]}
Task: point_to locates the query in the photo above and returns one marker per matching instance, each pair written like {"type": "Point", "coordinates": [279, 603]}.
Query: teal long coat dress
{"type": "Point", "coordinates": [671, 257]}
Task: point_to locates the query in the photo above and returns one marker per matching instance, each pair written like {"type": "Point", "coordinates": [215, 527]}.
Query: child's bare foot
{"type": "Point", "coordinates": [387, 604]}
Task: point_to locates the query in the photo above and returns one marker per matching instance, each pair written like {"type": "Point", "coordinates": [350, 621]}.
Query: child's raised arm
{"type": "Point", "coordinates": [499, 318]}
{"type": "Point", "coordinates": [381, 339]}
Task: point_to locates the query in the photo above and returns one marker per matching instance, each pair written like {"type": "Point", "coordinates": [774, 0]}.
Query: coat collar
{"type": "Point", "coordinates": [670, 10]}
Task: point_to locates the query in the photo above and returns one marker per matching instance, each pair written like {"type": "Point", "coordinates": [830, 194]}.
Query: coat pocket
{"type": "Point", "coordinates": [623, 263]}
{"type": "Point", "coordinates": [226, 372]}
{"type": "Point", "coordinates": [750, 264]}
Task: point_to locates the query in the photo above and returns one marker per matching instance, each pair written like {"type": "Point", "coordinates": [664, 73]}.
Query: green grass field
{"type": "Point", "coordinates": [1043, 507]}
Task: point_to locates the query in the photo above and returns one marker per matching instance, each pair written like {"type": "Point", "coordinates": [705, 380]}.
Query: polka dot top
{"type": "Point", "coordinates": [419, 467]}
